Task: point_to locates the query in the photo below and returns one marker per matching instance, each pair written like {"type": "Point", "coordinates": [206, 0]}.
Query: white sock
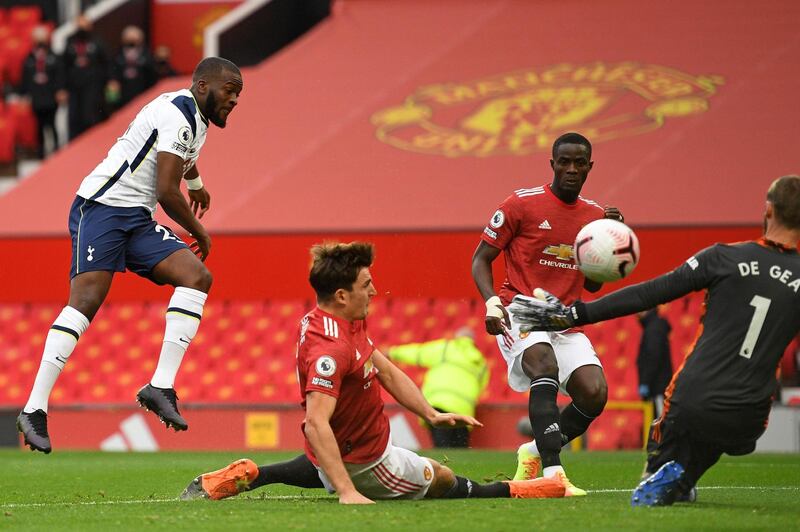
{"type": "Point", "coordinates": [183, 319]}
{"type": "Point", "coordinates": [533, 448]}
{"type": "Point", "coordinates": [61, 340]}
{"type": "Point", "coordinates": [550, 471]}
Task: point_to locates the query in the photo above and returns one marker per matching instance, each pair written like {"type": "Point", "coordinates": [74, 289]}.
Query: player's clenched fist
{"type": "Point", "coordinates": [496, 316]}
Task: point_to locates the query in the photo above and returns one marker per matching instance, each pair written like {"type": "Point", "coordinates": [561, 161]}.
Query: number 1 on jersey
{"type": "Point", "coordinates": [762, 307]}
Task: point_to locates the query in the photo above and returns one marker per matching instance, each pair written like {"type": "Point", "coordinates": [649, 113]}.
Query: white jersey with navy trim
{"type": "Point", "coordinates": [127, 176]}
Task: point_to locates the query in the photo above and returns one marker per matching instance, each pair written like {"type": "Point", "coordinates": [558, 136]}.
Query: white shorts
{"type": "Point", "coordinates": [397, 474]}
{"type": "Point", "coordinates": [572, 350]}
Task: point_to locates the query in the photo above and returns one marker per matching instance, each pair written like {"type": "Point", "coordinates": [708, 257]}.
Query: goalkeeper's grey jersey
{"type": "Point", "coordinates": [752, 313]}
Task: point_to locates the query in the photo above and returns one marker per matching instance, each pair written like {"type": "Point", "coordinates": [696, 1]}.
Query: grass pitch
{"type": "Point", "coordinates": [103, 491]}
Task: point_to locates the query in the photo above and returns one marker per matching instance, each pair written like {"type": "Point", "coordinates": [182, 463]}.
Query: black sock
{"type": "Point", "coordinates": [545, 420]}
{"type": "Point", "coordinates": [298, 472]}
{"type": "Point", "coordinates": [465, 488]}
{"type": "Point", "coordinates": [573, 423]}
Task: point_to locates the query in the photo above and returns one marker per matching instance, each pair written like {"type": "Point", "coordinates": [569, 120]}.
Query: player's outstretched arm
{"type": "Point", "coordinates": [168, 190]}
{"type": "Point", "coordinates": [319, 409]}
{"type": "Point", "coordinates": [695, 274]}
{"type": "Point", "coordinates": [199, 198]}
{"type": "Point", "coordinates": [496, 314]}
{"type": "Point", "coordinates": [403, 389]}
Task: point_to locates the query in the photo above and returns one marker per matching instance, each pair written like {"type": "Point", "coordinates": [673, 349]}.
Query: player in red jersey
{"type": "Point", "coordinates": [535, 228]}
{"type": "Point", "coordinates": [348, 449]}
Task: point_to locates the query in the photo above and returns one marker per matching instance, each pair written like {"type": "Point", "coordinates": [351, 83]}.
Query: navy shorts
{"type": "Point", "coordinates": [112, 239]}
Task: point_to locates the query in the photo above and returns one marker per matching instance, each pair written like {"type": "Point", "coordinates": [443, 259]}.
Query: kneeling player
{"type": "Point", "coordinates": [347, 444]}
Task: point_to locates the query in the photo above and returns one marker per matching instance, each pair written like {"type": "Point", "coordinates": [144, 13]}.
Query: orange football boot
{"type": "Point", "coordinates": [226, 482]}
{"type": "Point", "coordinates": [538, 488]}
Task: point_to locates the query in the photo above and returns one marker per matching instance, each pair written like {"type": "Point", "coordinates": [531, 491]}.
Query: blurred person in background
{"type": "Point", "coordinates": [132, 69]}
{"type": "Point", "coordinates": [457, 376]}
{"type": "Point", "coordinates": [654, 360]}
{"type": "Point", "coordinates": [86, 67]}
{"type": "Point", "coordinates": [43, 84]}
{"type": "Point", "coordinates": [163, 66]}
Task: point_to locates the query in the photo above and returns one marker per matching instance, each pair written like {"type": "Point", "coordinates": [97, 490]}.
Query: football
{"type": "Point", "coordinates": [606, 250]}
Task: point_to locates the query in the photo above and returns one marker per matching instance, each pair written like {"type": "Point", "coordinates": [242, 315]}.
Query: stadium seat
{"type": "Point", "coordinates": [14, 49]}
{"type": "Point", "coordinates": [244, 352]}
{"type": "Point", "coordinates": [7, 134]}
{"type": "Point", "coordinates": [26, 129]}
{"type": "Point", "coordinates": [24, 16]}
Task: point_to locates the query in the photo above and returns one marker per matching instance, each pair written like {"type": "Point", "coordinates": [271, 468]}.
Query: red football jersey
{"type": "Point", "coordinates": [334, 357]}
{"type": "Point", "coordinates": [536, 232]}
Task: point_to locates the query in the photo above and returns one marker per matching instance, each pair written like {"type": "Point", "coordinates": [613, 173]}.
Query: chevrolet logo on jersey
{"type": "Point", "coordinates": [561, 251]}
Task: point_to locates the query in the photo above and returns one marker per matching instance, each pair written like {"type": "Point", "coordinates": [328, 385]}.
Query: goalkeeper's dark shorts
{"type": "Point", "coordinates": [697, 440]}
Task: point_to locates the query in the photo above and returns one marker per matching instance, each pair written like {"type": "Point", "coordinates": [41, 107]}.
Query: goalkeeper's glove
{"type": "Point", "coordinates": [543, 312]}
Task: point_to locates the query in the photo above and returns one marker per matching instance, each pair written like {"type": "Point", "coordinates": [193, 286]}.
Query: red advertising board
{"type": "Point", "coordinates": [262, 428]}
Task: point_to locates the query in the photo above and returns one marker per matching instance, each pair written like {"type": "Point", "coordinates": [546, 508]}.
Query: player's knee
{"type": "Point", "coordinates": [539, 360]}
{"type": "Point", "coordinates": [200, 279]}
{"type": "Point", "coordinates": [593, 398]}
{"type": "Point", "coordinates": [443, 480]}
{"type": "Point", "coordinates": [86, 303]}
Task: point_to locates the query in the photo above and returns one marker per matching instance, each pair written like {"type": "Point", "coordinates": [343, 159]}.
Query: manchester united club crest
{"type": "Point", "coordinates": [521, 112]}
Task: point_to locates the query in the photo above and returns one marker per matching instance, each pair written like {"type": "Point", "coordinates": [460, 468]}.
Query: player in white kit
{"type": "Point", "coordinates": [112, 228]}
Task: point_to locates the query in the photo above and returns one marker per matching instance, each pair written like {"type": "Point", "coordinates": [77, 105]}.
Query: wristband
{"type": "Point", "coordinates": [578, 313]}
{"type": "Point", "coordinates": [494, 307]}
{"type": "Point", "coordinates": [194, 184]}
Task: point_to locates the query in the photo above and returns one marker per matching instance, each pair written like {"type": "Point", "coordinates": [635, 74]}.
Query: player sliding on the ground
{"type": "Point", "coordinates": [719, 399]}
{"type": "Point", "coordinates": [347, 444]}
{"type": "Point", "coordinates": [112, 228]}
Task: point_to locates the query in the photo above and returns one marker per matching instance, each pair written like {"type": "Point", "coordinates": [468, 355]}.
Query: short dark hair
{"type": "Point", "coordinates": [213, 67]}
{"type": "Point", "coordinates": [335, 265]}
{"type": "Point", "coordinates": [784, 194]}
{"type": "Point", "coordinates": [572, 138]}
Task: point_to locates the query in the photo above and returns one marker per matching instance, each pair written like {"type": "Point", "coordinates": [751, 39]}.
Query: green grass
{"type": "Point", "coordinates": [102, 491]}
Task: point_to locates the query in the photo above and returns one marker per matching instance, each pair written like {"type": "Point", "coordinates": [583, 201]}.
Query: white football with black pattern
{"type": "Point", "coordinates": [606, 250]}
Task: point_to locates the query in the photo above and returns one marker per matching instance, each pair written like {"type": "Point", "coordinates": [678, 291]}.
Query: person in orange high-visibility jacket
{"type": "Point", "coordinates": [454, 382]}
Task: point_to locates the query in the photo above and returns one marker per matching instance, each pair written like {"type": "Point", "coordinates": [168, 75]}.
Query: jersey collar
{"type": "Point", "coordinates": [559, 200]}
{"type": "Point", "coordinates": [767, 243]}
{"type": "Point", "coordinates": [345, 325]}
{"type": "Point", "coordinates": [197, 106]}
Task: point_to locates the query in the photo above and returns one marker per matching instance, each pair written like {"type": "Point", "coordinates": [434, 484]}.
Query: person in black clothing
{"type": "Point", "coordinates": [654, 360]}
{"type": "Point", "coordinates": [43, 83]}
{"type": "Point", "coordinates": [720, 399]}
{"type": "Point", "coordinates": [86, 66]}
{"type": "Point", "coordinates": [163, 67]}
{"type": "Point", "coordinates": [132, 70]}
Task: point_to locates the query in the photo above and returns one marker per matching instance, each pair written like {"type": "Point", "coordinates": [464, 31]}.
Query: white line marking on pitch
{"type": "Point", "coordinates": [701, 488]}
{"type": "Point", "coordinates": [304, 497]}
